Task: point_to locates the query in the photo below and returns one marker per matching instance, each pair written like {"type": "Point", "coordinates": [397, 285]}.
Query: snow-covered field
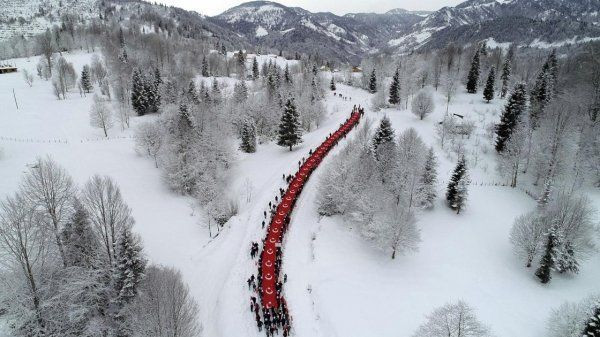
{"type": "Point", "coordinates": [338, 285]}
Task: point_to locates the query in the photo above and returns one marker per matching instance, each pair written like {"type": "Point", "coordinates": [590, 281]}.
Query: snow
{"type": "Point", "coordinates": [338, 284]}
{"type": "Point", "coordinates": [173, 231]}
{"type": "Point", "coordinates": [491, 43]}
{"type": "Point", "coordinates": [537, 43]}
{"type": "Point", "coordinates": [260, 31]}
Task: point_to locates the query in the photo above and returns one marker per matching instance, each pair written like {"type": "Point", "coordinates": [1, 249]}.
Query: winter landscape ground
{"type": "Point", "coordinates": [199, 130]}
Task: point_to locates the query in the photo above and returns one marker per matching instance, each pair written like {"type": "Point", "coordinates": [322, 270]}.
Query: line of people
{"type": "Point", "coordinates": [274, 316]}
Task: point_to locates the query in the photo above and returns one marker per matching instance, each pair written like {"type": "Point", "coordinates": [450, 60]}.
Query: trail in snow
{"type": "Point", "coordinates": [270, 260]}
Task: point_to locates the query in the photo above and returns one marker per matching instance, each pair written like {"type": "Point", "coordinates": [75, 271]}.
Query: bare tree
{"type": "Point", "coordinates": [452, 320]}
{"type": "Point", "coordinates": [149, 139]}
{"type": "Point", "coordinates": [46, 48]}
{"type": "Point", "coordinates": [64, 77]}
{"type": "Point", "coordinates": [527, 236]}
{"type": "Point", "coordinates": [108, 211]}
{"type": "Point", "coordinates": [28, 77]}
{"type": "Point", "coordinates": [165, 307]}
{"type": "Point", "coordinates": [50, 189]}
{"type": "Point", "coordinates": [449, 89]}
{"type": "Point", "coordinates": [100, 115]}
{"type": "Point", "coordinates": [422, 104]}
{"type": "Point", "coordinates": [569, 319]}
{"type": "Point", "coordinates": [24, 245]}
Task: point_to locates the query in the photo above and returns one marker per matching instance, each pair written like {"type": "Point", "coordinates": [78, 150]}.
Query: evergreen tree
{"type": "Point", "coordinates": [473, 76]}
{"type": "Point", "coordinates": [540, 96]}
{"type": "Point", "coordinates": [248, 137]}
{"type": "Point", "coordinates": [505, 77]}
{"type": "Point", "coordinates": [139, 97]}
{"type": "Point", "coordinates": [428, 180]}
{"type": "Point", "coordinates": [215, 92]}
{"type": "Point", "coordinates": [240, 92]}
{"type": "Point", "coordinates": [551, 67]}
{"type": "Point", "coordinates": [287, 77]}
{"type": "Point", "coordinates": [151, 94]}
{"type": "Point", "coordinates": [456, 193]}
{"type": "Point", "coordinates": [205, 72]}
{"type": "Point", "coordinates": [241, 63]}
{"type": "Point", "coordinates": [395, 89]}
{"type": "Point", "coordinates": [271, 85]}
{"type": "Point", "coordinates": [86, 81]}
{"type": "Point", "coordinates": [129, 269]}
{"type": "Point", "coordinates": [332, 86]}
{"type": "Point", "coordinates": [373, 82]}
{"type": "Point", "coordinates": [255, 71]}
{"type": "Point", "coordinates": [544, 272]}
{"type": "Point", "coordinates": [79, 241]}
{"type": "Point", "coordinates": [121, 38]}
{"type": "Point", "coordinates": [592, 326]}
{"type": "Point", "coordinates": [510, 117]}
{"type": "Point", "coordinates": [315, 70]}
{"type": "Point", "coordinates": [488, 91]}
{"type": "Point", "coordinates": [564, 258]}
{"type": "Point", "coordinates": [157, 83]}
{"type": "Point", "coordinates": [290, 132]}
{"type": "Point", "coordinates": [192, 93]}
{"type": "Point", "coordinates": [383, 134]}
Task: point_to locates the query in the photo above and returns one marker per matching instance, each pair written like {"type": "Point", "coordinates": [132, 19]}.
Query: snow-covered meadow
{"type": "Point", "coordinates": [338, 284]}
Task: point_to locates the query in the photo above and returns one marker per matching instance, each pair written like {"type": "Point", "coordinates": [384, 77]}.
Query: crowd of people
{"type": "Point", "coordinates": [276, 318]}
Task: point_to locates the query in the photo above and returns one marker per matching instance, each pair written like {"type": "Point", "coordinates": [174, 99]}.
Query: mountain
{"type": "Point", "coordinates": [273, 26]}
{"type": "Point", "coordinates": [348, 37]}
{"type": "Point", "coordinates": [514, 21]}
{"type": "Point", "coordinates": [30, 17]}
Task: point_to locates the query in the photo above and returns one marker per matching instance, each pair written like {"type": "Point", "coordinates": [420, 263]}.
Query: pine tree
{"type": "Point", "coordinates": [473, 76]}
{"type": "Point", "coordinates": [544, 272]}
{"type": "Point", "coordinates": [240, 92]}
{"type": "Point", "coordinates": [139, 97]}
{"type": "Point", "coordinates": [241, 62]}
{"type": "Point", "coordinates": [551, 67]}
{"type": "Point", "coordinates": [427, 190]}
{"type": "Point", "coordinates": [592, 326]}
{"type": "Point", "coordinates": [373, 82]}
{"type": "Point", "coordinates": [255, 71]}
{"type": "Point", "coordinates": [79, 241]}
{"type": "Point", "coordinates": [215, 92]}
{"type": "Point", "coordinates": [384, 133]}
{"type": "Point", "coordinates": [564, 258]}
{"type": "Point", "coordinates": [395, 89]}
{"type": "Point", "coordinates": [332, 86]}
{"type": "Point", "coordinates": [121, 38]}
{"type": "Point", "coordinates": [505, 77]}
{"type": "Point", "coordinates": [248, 137]}
{"type": "Point", "coordinates": [271, 85]}
{"type": "Point", "coordinates": [488, 91]}
{"type": "Point", "coordinates": [129, 268]}
{"type": "Point", "coordinates": [192, 93]}
{"type": "Point", "coordinates": [287, 77]}
{"type": "Point", "coordinates": [157, 83]}
{"type": "Point", "coordinates": [510, 117]}
{"type": "Point", "coordinates": [151, 94]}
{"type": "Point", "coordinates": [86, 82]}
{"type": "Point", "coordinates": [205, 72]}
{"type": "Point", "coordinates": [290, 132]}
{"type": "Point", "coordinates": [456, 193]}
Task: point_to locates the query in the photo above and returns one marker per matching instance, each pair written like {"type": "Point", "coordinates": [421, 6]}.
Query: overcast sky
{"type": "Point", "coordinates": [340, 7]}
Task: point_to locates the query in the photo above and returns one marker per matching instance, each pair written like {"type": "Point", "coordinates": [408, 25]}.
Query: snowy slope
{"type": "Point", "coordinates": [338, 284]}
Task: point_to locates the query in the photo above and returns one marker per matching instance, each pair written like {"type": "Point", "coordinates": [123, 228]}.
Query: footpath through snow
{"type": "Point", "coordinates": [270, 284]}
